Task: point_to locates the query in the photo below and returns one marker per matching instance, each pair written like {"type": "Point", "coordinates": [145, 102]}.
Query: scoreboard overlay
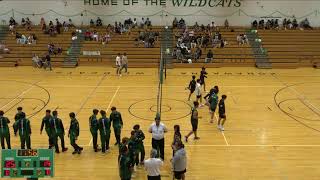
{"type": "Point", "coordinates": [27, 163]}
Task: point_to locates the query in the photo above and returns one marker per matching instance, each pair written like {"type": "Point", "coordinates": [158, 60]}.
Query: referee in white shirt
{"type": "Point", "coordinates": [152, 166]}
{"type": "Point", "coordinates": [158, 129]}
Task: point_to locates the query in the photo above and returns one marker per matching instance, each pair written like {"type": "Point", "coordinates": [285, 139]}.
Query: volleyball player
{"type": "Point", "coordinates": [198, 91]}
{"type": "Point", "coordinates": [192, 86]}
{"type": "Point", "coordinates": [194, 122]}
{"type": "Point", "coordinates": [213, 102]}
{"type": "Point", "coordinates": [222, 113]}
{"type": "Point", "coordinates": [203, 74]}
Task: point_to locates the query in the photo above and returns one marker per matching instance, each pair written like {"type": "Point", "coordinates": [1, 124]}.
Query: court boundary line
{"type": "Point", "coordinates": [111, 101]}
{"type": "Point", "coordinates": [144, 86]}
{"type": "Point", "coordinates": [224, 137]}
{"type": "Point", "coordinates": [21, 94]}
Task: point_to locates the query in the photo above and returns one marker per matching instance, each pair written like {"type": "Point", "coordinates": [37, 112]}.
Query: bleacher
{"type": "Point", "coordinates": [286, 49]}
{"type": "Point", "coordinates": [21, 55]}
{"type": "Point", "coordinates": [232, 55]}
{"type": "Point", "coordinates": [137, 56]}
{"type": "Point", "coordinates": [292, 48]}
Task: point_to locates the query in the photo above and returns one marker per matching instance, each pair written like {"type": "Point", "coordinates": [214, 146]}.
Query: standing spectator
{"type": "Point", "coordinates": [158, 129]}
{"type": "Point", "coordinates": [226, 24]}
{"type": "Point", "coordinates": [99, 22]}
{"type": "Point", "coordinates": [118, 64]}
{"type": "Point", "coordinates": [152, 166]}
{"type": "Point", "coordinates": [124, 63]}
{"type": "Point", "coordinates": [179, 161]}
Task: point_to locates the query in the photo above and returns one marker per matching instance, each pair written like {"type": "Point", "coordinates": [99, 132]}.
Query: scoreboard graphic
{"type": "Point", "coordinates": [27, 163]}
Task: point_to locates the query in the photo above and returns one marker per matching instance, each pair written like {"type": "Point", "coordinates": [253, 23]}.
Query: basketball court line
{"type": "Point", "coordinates": [66, 86]}
{"type": "Point", "coordinates": [21, 94]}
{"type": "Point", "coordinates": [300, 96]}
{"type": "Point", "coordinates": [114, 95]}
{"type": "Point", "coordinates": [224, 137]}
{"type": "Point", "coordinates": [217, 145]}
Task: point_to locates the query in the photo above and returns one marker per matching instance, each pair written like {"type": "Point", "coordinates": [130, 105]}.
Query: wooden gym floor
{"type": "Point", "coordinates": [272, 130]}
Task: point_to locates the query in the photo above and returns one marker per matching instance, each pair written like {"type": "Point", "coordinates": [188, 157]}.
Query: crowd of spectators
{"type": "Point", "coordinates": [147, 38]}
{"type": "Point", "coordinates": [23, 39]}
{"type": "Point", "coordinates": [54, 49]}
{"type": "Point", "coordinates": [286, 24]}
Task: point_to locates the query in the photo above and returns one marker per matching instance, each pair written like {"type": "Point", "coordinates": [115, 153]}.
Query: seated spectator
{"type": "Point", "coordinates": [261, 24]}
{"type": "Point", "coordinates": [142, 23]}
{"type": "Point", "coordinates": [32, 39]}
{"type": "Point", "coordinates": [3, 48]}
{"type": "Point", "coordinates": [95, 36]}
{"type": "Point", "coordinates": [21, 39]}
{"type": "Point", "coordinates": [88, 36]}
{"type": "Point", "coordinates": [99, 22]}
{"type": "Point", "coordinates": [135, 23]}
{"type": "Point", "coordinates": [65, 26]}
{"type": "Point", "coordinates": [12, 21]}
{"type": "Point", "coordinates": [175, 23]}
{"type": "Point", "coordinates": [36, 61]}
{"type": "Point", "coordinates": [289, 24]}
{"type": "Point", "coordinates": [74, 36]}
{"type": "Point", "coordinates": [23, 22]}
{"type": "Point", "coordinates": [209, 57]}
{"type": "Point", "coordinates": [91, 23]}
{"type": "Point", "coordinates": [70, 23]}
{"type": "Point", "coordinates": [148, 22]}
{"type": "Point", "coordinates": [305, 24]}
{"type": "Point", "coordinates": [181, 24]}
{"type": "Point", "coordinates": [223, 43]}
{"type": "Point", "coordinates": [59, 49]}
{"type": "Point", "coordinates": [28, 24]}
{"type": "Point", "coordinates": [226, 24]}
{"type": "Point", "coordinates": [295, 24]}
{"type": "Point", "coordinates": [42, 21]}
{"type": "Point", "coordinates": [255, 24]}
{"type": "Point", "coordinates": [51, 49]}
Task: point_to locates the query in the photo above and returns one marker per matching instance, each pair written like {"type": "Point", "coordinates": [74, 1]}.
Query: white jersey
{"type": "Point", "coordinates": [198, 89]}
{"type": "Point", "coordinates": [118, 61]}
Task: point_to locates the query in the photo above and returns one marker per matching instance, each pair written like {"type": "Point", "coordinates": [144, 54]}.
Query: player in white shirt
{"type": "Point", "coordinates": [118, 64]}
{"type": "Point", "coordinates": [158, 129]}
{"type": "Point", "coordinates": [152, 166]}
{"type": "Point", "coordinates": [198, 92]}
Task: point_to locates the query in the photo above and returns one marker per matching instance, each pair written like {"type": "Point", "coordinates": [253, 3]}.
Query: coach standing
{"type": "Point", "coordinates": [158, 129]}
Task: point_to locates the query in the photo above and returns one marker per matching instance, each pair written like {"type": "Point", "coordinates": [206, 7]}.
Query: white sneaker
{"type": "Point", "coordinates": [221, 128]}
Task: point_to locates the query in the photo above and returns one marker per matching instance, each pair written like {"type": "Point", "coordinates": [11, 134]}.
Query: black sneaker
{"type": "Point", "coordinates": [81, 148]}
{"type": "Point", "coordinates": [74, 152]}
{"type": "Point", "coordinates": [65, 149]}
{"type": "Point", "coordinates": [58, 152]}
{"type": "Point", "coordinates": [116, 144]}
{"type": "Point", "coordinates": [79, 151]}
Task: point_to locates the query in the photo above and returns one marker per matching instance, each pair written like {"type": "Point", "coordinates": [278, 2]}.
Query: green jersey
{"type": "Point", "coordinates": [74, 129]}
{"type": "Point", "coordinates": [213, 100]}
{"type": "Point", "coordinates": [57, 125]}
{"type": "Point", "coordinates": [93, 123]}
{"type": "Point", "coordinates": [23, 126]}
{"type": "Point", "coordinates": [4, 128]}
{"type": "Point", "coordinates": [116, 119]}
{"type": "Point", "coordinates": [46, 123]}
{"type": "Point", "coordinates": [125, 166]}
{"type": "Point", "coordinates": [104, 125]}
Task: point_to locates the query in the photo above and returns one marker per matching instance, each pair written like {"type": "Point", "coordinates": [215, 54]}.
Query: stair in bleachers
{"type": "Point", "coordinates": [261, 57]}
{"type": "Point", "coordinates": [4, 30]}
{"type": "Point", "coordinates": [71, 60]}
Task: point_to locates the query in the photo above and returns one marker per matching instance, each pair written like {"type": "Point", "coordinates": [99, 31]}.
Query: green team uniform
{"type": "Point", "coordinates": [213, 100]}
{"type": "Point", "coordinates": [104, 128]}
{"type": "Point", "coordinates": [24, 128]}
{"type": "Point", "coordinates": [17, 116]}
{"type": "Point", "coordinates": [46, 123]}
{"type": "Point", "coordinates": [133, 150]}
{"type": "Point", "coordinates": [74, 131]}
{"type": "Point", "coordinates": [93, 123]}
{"type": "Point", "coordinates": [139, 138]}
{"type": "Point", "coordinates": [58, 132]}
{"type": "Point", "coordinates": [125, 167]}
{"type": "Point", "coordinates": [117, 123]}
{"type": "Point", "coordinates": [4, 132]}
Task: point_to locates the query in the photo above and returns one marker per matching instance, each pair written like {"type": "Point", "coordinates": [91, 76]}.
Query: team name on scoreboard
{"type": "Point", "coordinates": [174, 3]}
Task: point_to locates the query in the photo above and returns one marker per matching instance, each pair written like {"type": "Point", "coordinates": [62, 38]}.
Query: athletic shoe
{"type": "Point", "coordinates": [58, 152]}
{"type": "Point", "coordinates": [74, 152]}
{"type": "Point", "coordinates": [221, 128]}
{"type": "Point", "coordinates": [211, 121]}
{"type": "Point", "coordinates": [81, 148]}
{"type": "Point", "coordinates": [186, 138]}
{"type": "Point", "coordinates": [196, 138]}
{"type": "Point", "coordinates": [65, 149]}
{"type": "Point", "coordinates": [115, 143]}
